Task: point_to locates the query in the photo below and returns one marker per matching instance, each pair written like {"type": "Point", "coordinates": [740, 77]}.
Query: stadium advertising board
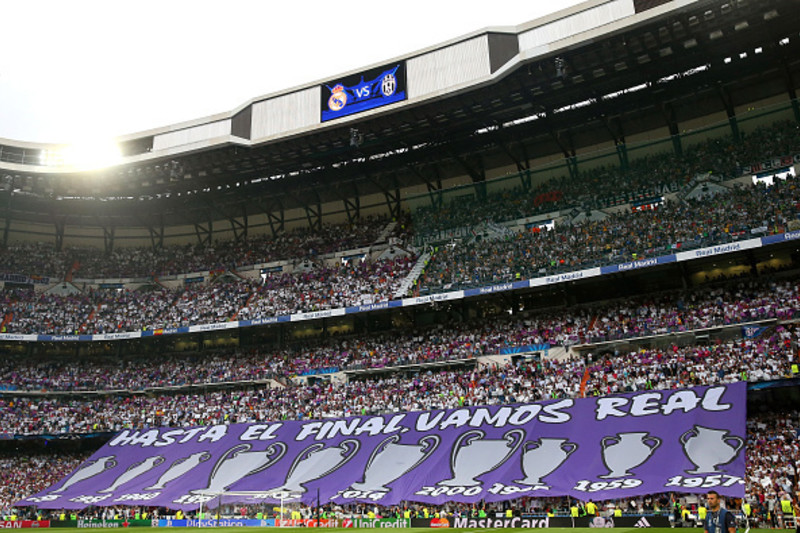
{"type": "Point", "coordinates": [101, 523]}
{"type": "Point", "coordinates": [770, 164]}
{"type": "Point", "coordinates": [215, 522]}
{"type": "Point", "coordinates": [359, 92]}
{"type": "Point", "coordinates": [380, 523]}
{"type": "Point", "coordinates": [24, 279]}
{"type": "Point", "coordinates": [647, 442]}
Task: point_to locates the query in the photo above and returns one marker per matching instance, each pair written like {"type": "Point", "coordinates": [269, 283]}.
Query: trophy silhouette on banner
{"type": "Point", "coordinates": [626, 451]}
{"type": "Point", "coordinates": [709, 448]}
{"type": "Point", "coordinates": [473, 456]}
{"type": "Point", "coordinates": [391, 460]}
{"type": "Point", "coordinates": [88, 470]}
{"type": "Point", "coordinates": [178, 468]}
{"type": "Point", "coordinates": [134, 471]}
{"type": "Point", "coordinates": [542, 457]}
{"type": "Point", "coordinates": [315, 462]}
{"type": "Point", "coordinates": [239, 462]}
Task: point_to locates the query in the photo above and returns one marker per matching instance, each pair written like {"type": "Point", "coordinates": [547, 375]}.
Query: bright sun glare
{"type": "Point", "coordinates": [88, 154]}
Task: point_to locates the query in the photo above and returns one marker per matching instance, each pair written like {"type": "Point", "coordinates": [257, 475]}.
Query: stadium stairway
{"type": "Point", "coordinates": [415, 273]}
{"type": "Point", "coordinates": [558, 353]}
{"type": "Point", "coordinates": [384, 236]}
{"type": "Point", "coordinates": [245, 306]}
{"type": "Point", "coordinates": [85, 325]}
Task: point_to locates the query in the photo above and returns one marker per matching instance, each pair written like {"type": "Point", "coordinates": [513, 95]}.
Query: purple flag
{"type": "Point", "coordinates": [688, 440]}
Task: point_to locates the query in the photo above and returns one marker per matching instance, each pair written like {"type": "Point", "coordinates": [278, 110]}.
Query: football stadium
{"type": "Point", "coordinates": [541, 276]}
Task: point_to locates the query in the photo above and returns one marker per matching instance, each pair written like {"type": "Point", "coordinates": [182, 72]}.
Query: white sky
{"type": "Point", "coordinates": [73, 70]}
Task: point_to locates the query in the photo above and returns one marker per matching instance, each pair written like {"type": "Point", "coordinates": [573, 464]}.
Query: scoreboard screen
{"type": "Point", "coordinates": [359, 92]}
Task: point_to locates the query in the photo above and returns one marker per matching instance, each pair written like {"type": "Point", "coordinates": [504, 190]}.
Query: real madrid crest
{"type": "Point", "coordinates": [338, 98]}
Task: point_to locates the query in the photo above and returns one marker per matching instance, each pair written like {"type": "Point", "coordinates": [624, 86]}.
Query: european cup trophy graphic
{"type": "Point", "coordinates": [473, 455]}
{"type": "Point", "coordinates": [626, 451]}
{"type": "Point", "coordinates": [709, 448]}
{"type": "Point", "coordinates": [88, 470]}
{"type": "Point", "coordinates": [178, 468]}
{"type": "Point", "coordinates": [391, 460]}
{"type": "Point", "coordinates": [542, 457]}
{"type": "Point", "coordinates": [136, 470]}
{"type": "Point", "coordinates": [240, 462]}
{"type": "Point", "coordinates": [315, 462]}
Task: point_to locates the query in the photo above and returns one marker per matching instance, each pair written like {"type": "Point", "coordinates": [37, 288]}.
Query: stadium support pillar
{"type": "Point", "coordinates": [8, 219]}
{"type": "Point", "coordinates": [614, 127]}
{"type": "Point", "coordinates": [276, 221]}
{"type": "Point", "coordinates": [353, 208]}
{"type": "Point", "coordinates": [525, 178]}
{"type": "Point", "coordinates": [480, 190]}
{"type": "Point", "coordinates": [622, 154]}
{"type": "Point", "coordinates": [239, 227]}
{"type": "Point", "coordinates": [564, 141]}
{"type": "Point", "coordinates": [435, 192]}
{"type": "Point", "coordinates": [476, 170]}
{"type": "Point", "coordinates": [572, 166]}
{"type": "Point", "coordinates": [789, 79]}
{"type": "Point", "coordinates": [60, 227]}
{"type": "Point", "coordinates": [393, 202]}
{"type": "Point", "coordinates": [314, 216]}
{"type": "Point", "coordinates": [204, 233]}
{"type": "Point", "coordinates": [677, 146]}
{"type": "Point", "coordinates": [157, 236]}
{"type": "Point", "coordinates": [731, 112]}
{"type": "Point", "coordinates": [108, 239]}
{"type": "Point", "coordinates": [674, 132]}
{"type": "Point", "coordinates": [685, 280]}
{"type": "Point", "coordinates": [6, 228]}
{"type": "Point", "coordinates": [753, 262]}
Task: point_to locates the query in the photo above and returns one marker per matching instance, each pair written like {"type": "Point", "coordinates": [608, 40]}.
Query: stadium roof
{"type": "Point", "coordinates": [590, 76]}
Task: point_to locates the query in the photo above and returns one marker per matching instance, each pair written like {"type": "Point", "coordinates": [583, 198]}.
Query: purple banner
{"type": "Point", "coordinates": [689, 440]}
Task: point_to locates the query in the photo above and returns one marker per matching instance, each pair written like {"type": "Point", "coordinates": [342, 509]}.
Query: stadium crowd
{"type": "Point", "coordinates": [137, 262]}
{"type": "Point", "coordinates": [117, 310]}
{"type": "Point", "coordinates": [645, 178]}
{"type": "Point", "coordinates": [769, 356]}
{"type": "Point", "coordinates": [742, 213]}
{"type": "Point", "coordinates": [25, 474]}
{"type": "Point", "coordinates": [677, 224]}
{"type": "Point", "coordinates": [673, 227]}
{"type": "Point", "coordinates": [736, 302]}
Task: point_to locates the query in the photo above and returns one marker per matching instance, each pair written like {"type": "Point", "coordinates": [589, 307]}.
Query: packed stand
{"type": "Point", "coordinates": [113, 311]}
{"type": "Point", "coordinates": [773, 453]}
{"type": "Point", "coordinates": [23, 474]}
{"type": "Point", "coordinates": [622, 237]}
{"type": "Point", "coordinates": [90, 263]}
{"type": "Point", "coordinates": [735, 302]}
{"type": "Point", "coordinates": [768, 357]}
{"type": "Point", "coordinates": [646, 178]}
{"type": "Point", "coordinates": [327, 288]}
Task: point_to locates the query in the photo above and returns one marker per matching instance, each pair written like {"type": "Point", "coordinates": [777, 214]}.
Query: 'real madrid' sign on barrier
{"type": "Point", "coordinates": [688, 440]}
{"type": "Point", "coordinates": [356, 93]}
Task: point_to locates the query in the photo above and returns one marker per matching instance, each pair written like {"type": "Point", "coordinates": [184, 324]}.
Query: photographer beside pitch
{"type": "Point", "coordinates": [718, 519]}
